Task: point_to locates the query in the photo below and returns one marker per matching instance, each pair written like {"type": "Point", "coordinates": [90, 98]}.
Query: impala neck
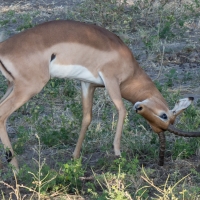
{"type": "Point", "coordinates": [140, 87]}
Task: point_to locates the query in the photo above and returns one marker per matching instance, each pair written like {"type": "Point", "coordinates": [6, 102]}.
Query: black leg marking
{"type": "Point", "coordinates": [53, 57]}
{"type": "Point", "coordinates": [8, 155]}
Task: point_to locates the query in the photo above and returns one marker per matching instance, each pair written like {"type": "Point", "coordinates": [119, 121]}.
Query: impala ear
{"type": "Point", "coordinates": [181, 105]}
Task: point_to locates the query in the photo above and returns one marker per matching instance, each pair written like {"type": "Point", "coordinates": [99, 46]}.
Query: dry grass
{"type": "Point", "coordinates": [164, 37]}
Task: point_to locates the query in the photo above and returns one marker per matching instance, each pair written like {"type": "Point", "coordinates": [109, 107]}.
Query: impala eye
{"type": "Point", "coordinates": [163, 116]}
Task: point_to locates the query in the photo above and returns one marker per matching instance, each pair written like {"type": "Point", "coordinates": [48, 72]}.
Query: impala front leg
{"type": "Point", "coordinates": [113, 89]}
{"type": "Point", "coordinates": [87, 97]}
{"type": "Point", "coordinates": [122, 114]}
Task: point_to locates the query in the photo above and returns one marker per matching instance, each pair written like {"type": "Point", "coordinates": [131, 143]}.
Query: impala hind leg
{"type": "Point", "coordinates": [87, 97]}
{"type": "Point", "coordinates": [113, 89]}
{"type": "Point", "coordinates": [15, 99]}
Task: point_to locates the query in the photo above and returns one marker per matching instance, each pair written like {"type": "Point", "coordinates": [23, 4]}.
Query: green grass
{"type": "Point", "coordinates": [55, 115]}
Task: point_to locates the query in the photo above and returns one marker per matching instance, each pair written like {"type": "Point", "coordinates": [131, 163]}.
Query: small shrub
{"type": "Point", "coordinates": [70, 175]}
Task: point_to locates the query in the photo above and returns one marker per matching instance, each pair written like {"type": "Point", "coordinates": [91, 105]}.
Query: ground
{"type": "Point", "coordinates": [164, 37]}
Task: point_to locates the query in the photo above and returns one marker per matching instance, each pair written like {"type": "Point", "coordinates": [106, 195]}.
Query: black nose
{"type": "Point", "coordinates": [138, 107]}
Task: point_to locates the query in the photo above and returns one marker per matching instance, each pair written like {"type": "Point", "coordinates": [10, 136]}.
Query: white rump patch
{"type": "Point", "coordinates": [181, 105]}
{"type": "Point", "coordinates": [74, 72]}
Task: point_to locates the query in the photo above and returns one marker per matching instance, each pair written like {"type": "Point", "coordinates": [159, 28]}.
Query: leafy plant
{"type": "Point", "coordinates": [27, 22]}
{"type": "Point", "coordinates": [184, 149]}
{"type": "Point", "coordinates": [171, 77]}
{"type": "Point", "coordinates": [114, 184]}
{"type": "Point", "coordinates": [70, 176]}
{"type": "Point", "coordinates": [127, 167]}
{"type": "Point", "coordinates": [166, 27]}
{"type": "Point", "coordinates": [23, 137]}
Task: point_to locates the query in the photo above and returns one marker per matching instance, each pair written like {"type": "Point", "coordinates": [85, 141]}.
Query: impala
{"type": "Point", "coordinates": [96, 57]}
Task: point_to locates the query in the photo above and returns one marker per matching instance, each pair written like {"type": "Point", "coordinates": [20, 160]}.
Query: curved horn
{"type": "Point", "coordinates": [176, 131]}
{"type": "Point", "coordinates": [162, 148]}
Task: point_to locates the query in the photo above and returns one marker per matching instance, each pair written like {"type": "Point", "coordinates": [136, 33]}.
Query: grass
{"type": "Point", "coordinates": [159, 34]}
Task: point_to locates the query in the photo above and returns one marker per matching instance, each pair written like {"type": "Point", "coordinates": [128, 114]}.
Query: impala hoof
{"type": "Point", "coordinates": [117, 156]}
{"type": "Point", "coordinates": [76, 155]}
{"type": "Point", "coordinates": [117, 153]}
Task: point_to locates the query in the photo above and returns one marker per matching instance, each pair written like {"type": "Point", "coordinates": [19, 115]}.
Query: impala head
{"type": "Point", "coordinates": [158, 114]}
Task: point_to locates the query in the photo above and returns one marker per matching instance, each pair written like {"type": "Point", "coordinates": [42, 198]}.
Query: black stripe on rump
{"type": "Point", "coordinates": [6, 69]}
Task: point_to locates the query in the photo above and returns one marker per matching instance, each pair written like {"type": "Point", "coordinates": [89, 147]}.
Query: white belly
{"type": "Point", "coordinates": [74, 72]}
